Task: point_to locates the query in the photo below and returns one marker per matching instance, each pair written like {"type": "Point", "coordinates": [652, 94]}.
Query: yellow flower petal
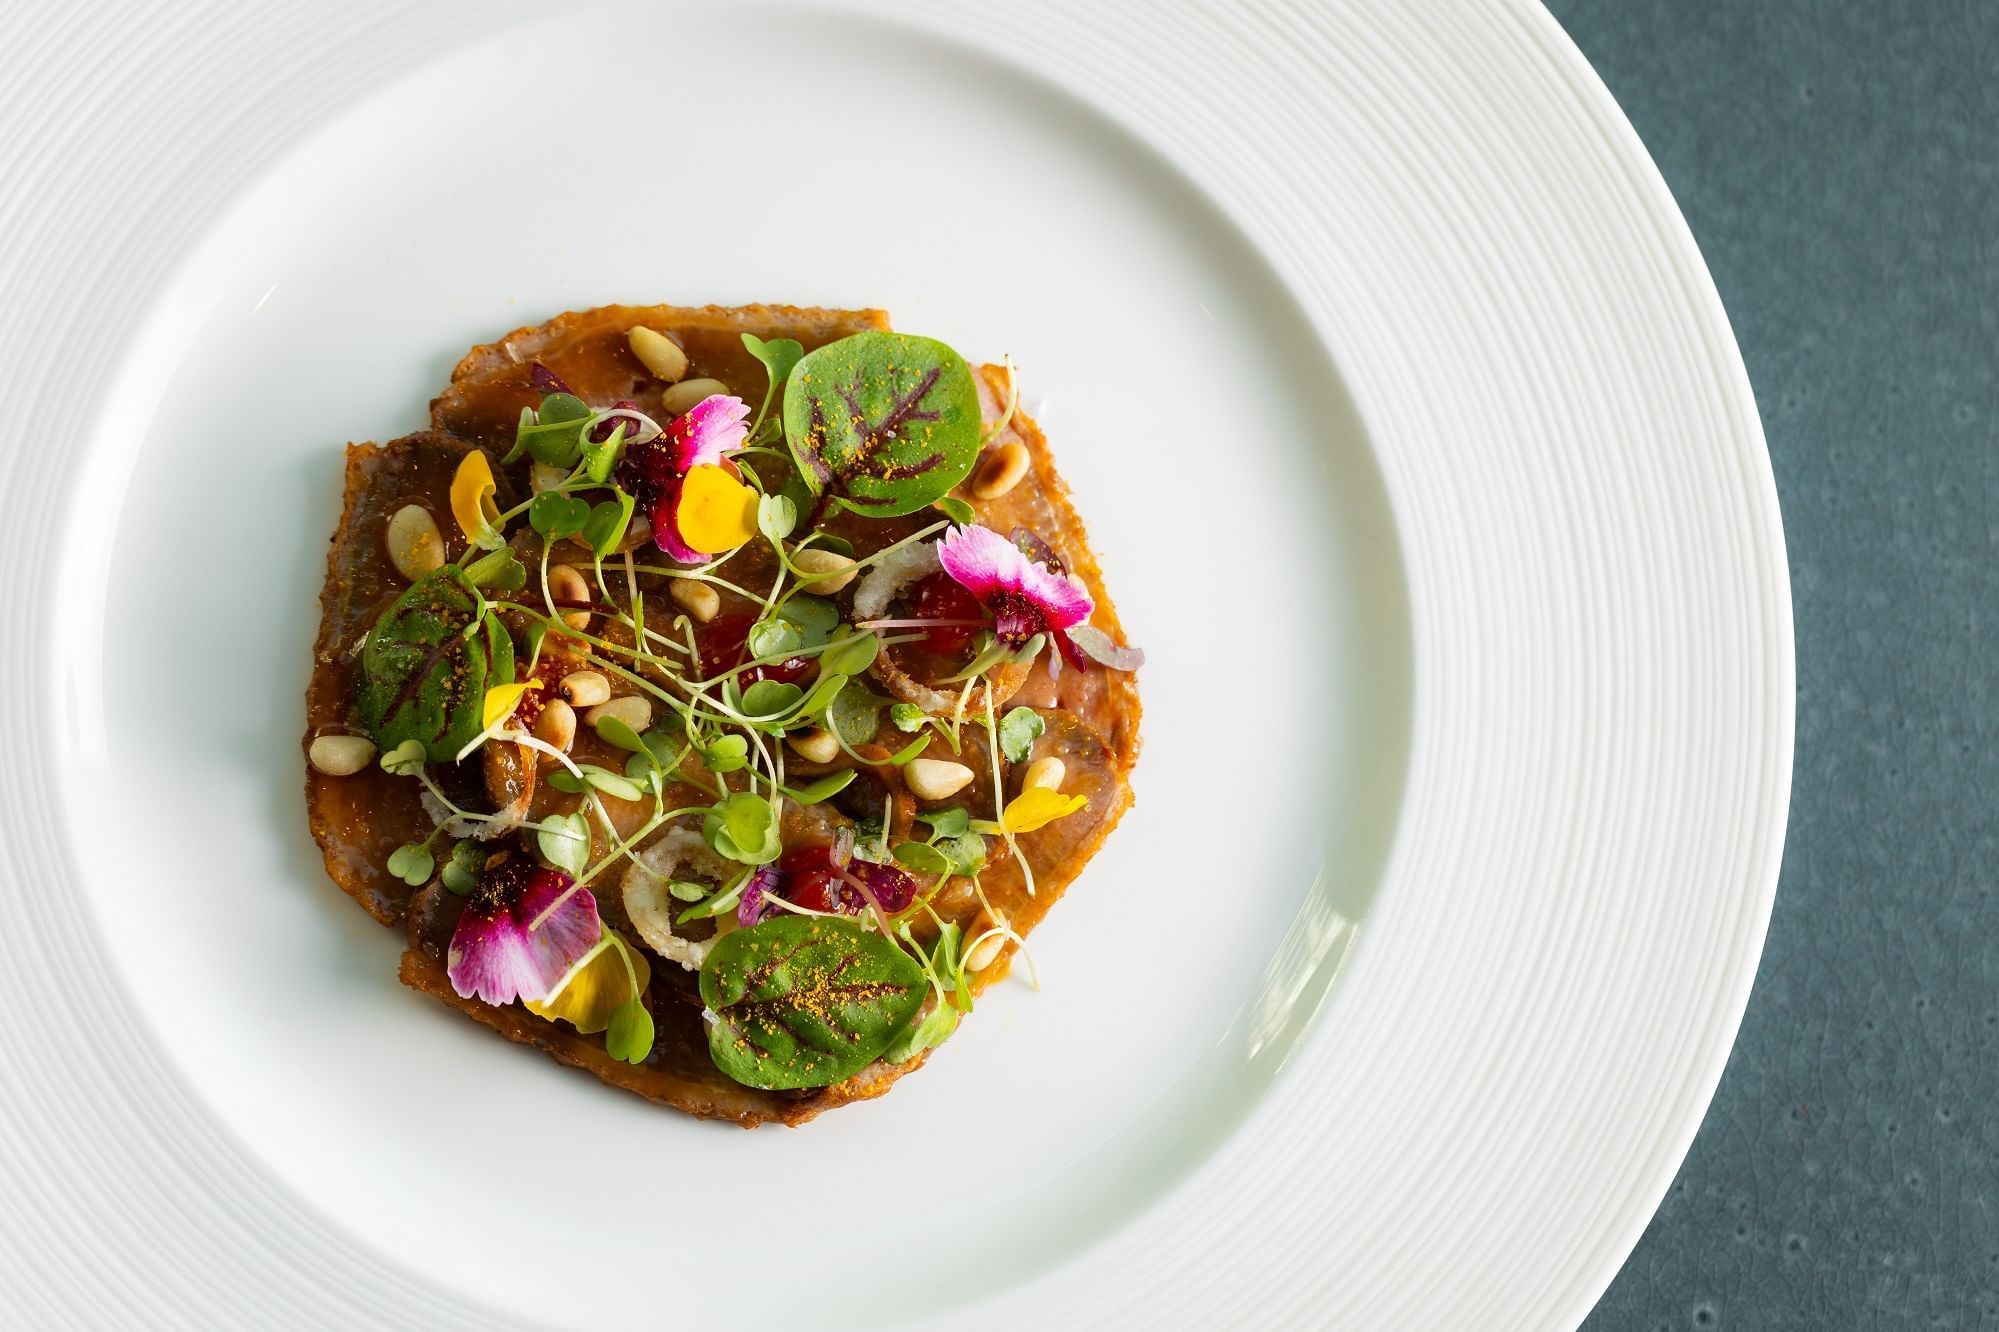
{"type": "Point", "coordinates": [596, 987]}
{"type": "Point", "coordinates": [1039, 807]}
{"type": "Point", "coordinates": [716, 512]}
{"type": "Point", "coordinates": [472, 504]}
{"type": "Point", "coordinates": [501, 700]}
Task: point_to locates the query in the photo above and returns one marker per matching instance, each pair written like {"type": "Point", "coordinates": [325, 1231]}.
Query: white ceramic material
{"type": "Point", "coordinates": [1410, 431]}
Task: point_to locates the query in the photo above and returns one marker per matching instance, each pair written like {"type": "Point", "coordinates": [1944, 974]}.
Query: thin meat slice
{"type": "Point", "coordinates": [359, 820]}
{"type": "Point", "coordinates": [588, 351]}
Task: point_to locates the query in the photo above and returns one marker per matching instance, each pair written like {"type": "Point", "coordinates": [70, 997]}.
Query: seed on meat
{"type": "Point", "coordinates": [415, 547]}
{"type": "Point", "coordinates": [567, 586]}
{"type": "Point", "coordinates": [584, 689]}
{"type": "Point", "coordinates": [1001, 471]}
{"type": "Point", "coordinates": [688, 392]}
{"type": "Point", "coordinates": [634, 710]}
{"type": "Point", "coordinates": [340, 755]}
{"type": "Point", "coordinates": [658, 353]}
{"type": "Point", "coordinates": [935, 779]}
{"type": "Point", "coordinates": [701, 602]}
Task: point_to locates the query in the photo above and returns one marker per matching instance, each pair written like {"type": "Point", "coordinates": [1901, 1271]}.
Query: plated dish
{"type": "Point", "coordinates": [716, 698]}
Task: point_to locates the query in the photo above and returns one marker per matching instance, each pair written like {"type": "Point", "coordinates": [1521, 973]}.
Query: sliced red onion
{"type": "Point", "coordinates": [893, 889]}
{"type": "Point", "coordinates": [752, 908]}
{"type": "Point", "coordinates": [546, 381]}
{"type": "Point", "coordinates": [1032, 546]}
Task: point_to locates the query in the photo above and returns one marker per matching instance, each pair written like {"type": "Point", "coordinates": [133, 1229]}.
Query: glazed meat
{"type": "Point", "coordinates": [1089, 716]}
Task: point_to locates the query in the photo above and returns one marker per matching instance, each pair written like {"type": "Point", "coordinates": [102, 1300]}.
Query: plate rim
{"type": "Point", "coordinates": [59, 154]}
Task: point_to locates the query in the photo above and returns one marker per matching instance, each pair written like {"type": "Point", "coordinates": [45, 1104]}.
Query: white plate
{"type": "Point", "coordinates": [1399, 404]}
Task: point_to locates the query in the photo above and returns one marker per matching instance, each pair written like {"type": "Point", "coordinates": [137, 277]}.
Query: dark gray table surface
{"type": "Point", "coordinates": [1838, 162]}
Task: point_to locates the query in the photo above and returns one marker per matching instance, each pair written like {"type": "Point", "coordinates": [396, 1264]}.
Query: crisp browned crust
{"type": "Point", "coordinates": [1092, 717]}
{"type": "Point", "coordinates": [711, 1097]}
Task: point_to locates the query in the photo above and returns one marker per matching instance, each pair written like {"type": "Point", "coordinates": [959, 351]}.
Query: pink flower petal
{"type": "Point", "coordinates": [665, 518]}
{"type": "Point", "coordinates": [493, 953]}
{"type": "Point", "coordinates": [705, 432]}
{"type": "Point", "coordinates": [1025, 595]}
{"type": "Point", "coordinates": [1062, 597]}
{"type": "Point", "coordinates": [982, 561]}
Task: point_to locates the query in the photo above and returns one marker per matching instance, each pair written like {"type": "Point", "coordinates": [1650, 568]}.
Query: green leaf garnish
{"type": "Point", "coordinates": [776, 517]}
{"type": "Point", "coordinates": [851, 652]}
{"type": "Point", "coordinates": [909, 752]}
{"type": "Point", "coordinates": [405, 760]}
{"type": "Point", "coordinates": [621, 734]}
{"type": "Point", "coordinates": [554, 436]}
{"type": "Point", "coordinates": [611, 783]}
{"type": "Point", "coordinates": [556, 515]}
{"type": "Point", "coordinates": [957, 510]}
{"type": "Point", "coordinates": [922, 857]}
{"type": "Point", "coordinates": [855, 713]}
{"type": "Point", "coordinates": [461, 868]}
{"type": "Point", "coordinates": [727, 754]}
{"type": "Point", "coordinates": [950, 822]}
{"type": "Point", "coordinates": [1018, 731]}
{"type": "Point", "coordinates": [882, 423]}
{"type": "Point", "coordinates": [966, 852]}
{"type": "Point", "coordinates": [815, 617]}
{"type": "Point", "coordinates": [770, 699]}
{"type": "Point", "coordinates": [907, 716]}
{"type": "Point", "coordinates": [609, 520]}
{"type": "Point", "coordinates": [686, 890]}
{"type": "Point", "coordinates": [412, 864]}
{"type": "Point", "coordinates": [824, 789]}
{"type": "Point", "coordinates": [774, 638]}
{"type": "Point", "coordinates": [743, 828]}
{"type": "Point", "coordinates": [824, 690]}
{"type": "Point", "coordinates": [806, 1001]}
{"type": "Point", "coordinates": [500, 571]}
{"type": "Point", "coordinates": [601, 459]}
{"type": "Point", "coordinates": [565, 842]}
{"type": "Point", "coordinates": [427, 665]}
{"type": "Point", "coordinates": [778, 356]}
{"type": "Point", "coordinates": [630, 1035]}
{"type": "Point", "coordinates": [935, 1028]}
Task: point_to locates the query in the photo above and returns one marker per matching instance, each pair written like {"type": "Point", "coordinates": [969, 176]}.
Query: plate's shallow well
{"type": "Point", "coordinates": [1408, 424]}
{"type": "Point", "coordinates": [1214, 455]}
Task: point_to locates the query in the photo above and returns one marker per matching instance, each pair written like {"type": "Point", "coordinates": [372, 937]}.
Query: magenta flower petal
{"type": "Point", "coordinates": [665, 518]}
{"type": "Point", "coordinates": [494, 954]}
{"type": "Point", "coordinates": [1025, 596]}
{"type": "Point", "coordinates": [982, 561]}
{"type": "Point", "coordinates": [705, 432]}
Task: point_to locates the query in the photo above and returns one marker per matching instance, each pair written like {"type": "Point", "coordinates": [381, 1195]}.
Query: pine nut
{"type": "Point", "coordinates": [935, 779]}
{"type": "Point", "coordinates": [1001, 471]}
{"type": "Point", "coordinates": [634, 710]}
{"type": "Point", "coordinates": [543, 477]}
{"type": "Point", "coordinates": [415, 548]}
{"type": "Point", "coordinates": [566, 583]}
{"type": "Point", "coordinates": [688, 392]}
{"type": "Point", "coordinates": [341, 755]}
{"type": "Point", "coordinates": [701, 602]}
{"type": "Point", "coordinates": [983, 954]}
{"type": "Point", "coordinates": [556, 725]}
{"type": "Point", "coordinates": [1047, 772]}
{"type": "Point", "coordinates": [584, 689]}
{"type": "Point", "coordinates": [657, 353]}
{"type": "Point", "coordinates": [813, 560]}
{"type": "Point", "coordinates": [815, 746]}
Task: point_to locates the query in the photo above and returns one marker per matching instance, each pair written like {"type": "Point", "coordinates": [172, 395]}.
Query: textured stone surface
{"type": "Point", "coordinates": [1838, 160]}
